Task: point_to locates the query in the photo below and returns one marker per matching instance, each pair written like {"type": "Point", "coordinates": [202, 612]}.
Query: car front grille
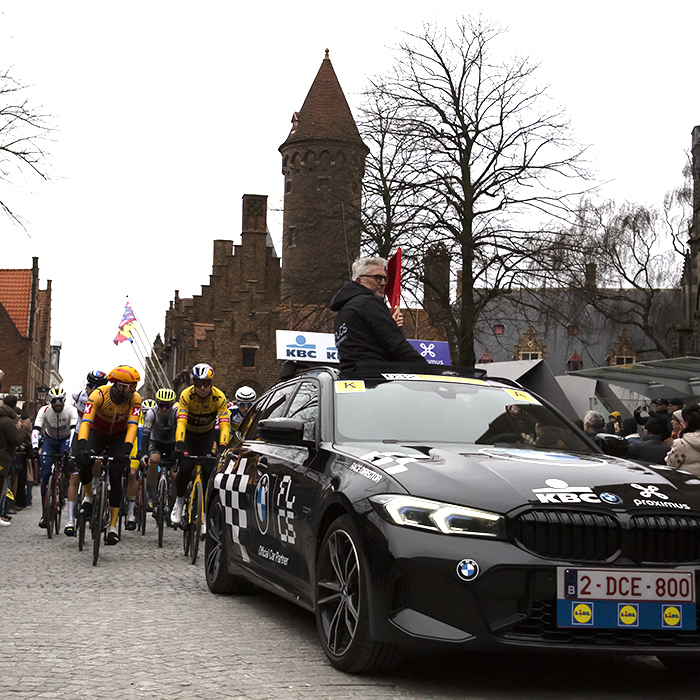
{"type": "Point", "coordinates": [593, 536]}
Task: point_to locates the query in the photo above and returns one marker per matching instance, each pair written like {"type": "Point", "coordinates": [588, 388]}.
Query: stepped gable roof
{"type": "Point", "coordinates": [15, 296]}
{"type": "Point", "coordinates": [325, 114]}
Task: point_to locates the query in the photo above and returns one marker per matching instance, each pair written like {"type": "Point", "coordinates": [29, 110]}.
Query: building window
{"type": "Point", "coordinates": [249, 357]}
{"type": "Point", "coordinates": [575, 363]}
{"type": "Point", "coordinates": [485, 358]}
{"type": "Point", "coordinates": [291, 236]}
{"type": "Point", "coordinates": [529, 356]}
{"type": "Point", "coordinates": [498, 329]}
{"type": "Point", "coordinates": [622, 360]}
{"type": "Point", "coordinates": [572, 329]}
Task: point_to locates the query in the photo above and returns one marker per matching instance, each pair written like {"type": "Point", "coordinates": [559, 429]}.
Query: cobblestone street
{"type": "Point", "coordinates": [142, 624]}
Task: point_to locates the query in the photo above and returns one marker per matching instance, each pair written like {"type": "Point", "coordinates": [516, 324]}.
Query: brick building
{"type": "Point", "coordinates": [251, 293]}
{"type": "Point", "coordinates": [25, 336]}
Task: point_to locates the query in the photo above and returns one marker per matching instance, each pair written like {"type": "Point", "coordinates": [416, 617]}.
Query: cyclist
{"type": "Point", "coordinates": [109, 427]}
{"type": "Point", "coordinates": [199, 407]}
{"type": "Point", "coordinates": [132, 484]}
{"type": "Point", "coordinates": [95, 378]}
{"type": "Point", "coordinates": [56, 421]}
{"type": "Point", "coordinates": [159, 437]}
{"type": "Point", "coordinates": [244, 400]}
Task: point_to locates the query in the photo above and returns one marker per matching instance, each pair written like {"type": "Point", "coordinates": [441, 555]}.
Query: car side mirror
{"type": "Point", "coordinates": [613, 445]}
{"type": "Point", "coordinates": [281, 431]}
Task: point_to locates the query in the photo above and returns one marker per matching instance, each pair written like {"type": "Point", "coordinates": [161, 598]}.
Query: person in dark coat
{"type": "Point", "coordinates": [12, 434]}
{"type": "Point", "coordinates": [365, 329]}
{"type": "Point", "coordinates": [651, 448]}
{"type": "Point", "coordinates": [659, 410]}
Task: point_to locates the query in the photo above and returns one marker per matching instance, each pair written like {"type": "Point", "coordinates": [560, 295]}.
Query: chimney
{"type": "Point", "coordinates": [254, 213]}
{"type": "Point", "coordinates": [591, 274]}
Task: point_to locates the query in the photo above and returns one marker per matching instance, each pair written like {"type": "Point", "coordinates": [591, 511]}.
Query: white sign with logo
{"type": "Point", "coordinates": [300, 345]}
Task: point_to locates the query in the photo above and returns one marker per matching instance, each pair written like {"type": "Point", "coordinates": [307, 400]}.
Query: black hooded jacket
{"type": "Point", "coordinates": [365, 330]}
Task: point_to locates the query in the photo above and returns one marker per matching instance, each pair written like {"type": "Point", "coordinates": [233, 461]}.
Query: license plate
{"type": "Point", "coordinates": [643, 584]}
{"type": "Point", "coordinates": [613, 598]}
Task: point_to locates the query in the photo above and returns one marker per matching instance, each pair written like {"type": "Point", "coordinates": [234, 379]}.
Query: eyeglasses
{"type": "Point", "coordinates": [164, 405]}
{"type": "Point", "coordinates": [245, 404]}
{"type": "Point", "coordinates": [202, 383]}
{"type": "Point", "coordinates": [379, 279]}
{"type": "Point", "coordinates": [59, 401]}
{"type": "Point", "coordinates": [123, 386]}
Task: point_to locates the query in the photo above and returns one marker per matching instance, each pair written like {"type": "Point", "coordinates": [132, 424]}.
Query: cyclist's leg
{"type": "Point", "coordinates": [49, 448]}
{"type": "Point", "coordinates": [132, 488]}
{"type": "Point", "coordinates": [185, 468]}
{"type": "Point", "coordinates": [96, 442]}
{"type": "Point", "coordinates": [116, 469]}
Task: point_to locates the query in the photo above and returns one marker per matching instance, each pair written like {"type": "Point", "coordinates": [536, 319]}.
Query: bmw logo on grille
{"type": "Point", "coordinates": [467, 569]}
{"type": "Point", "coordinates": [262, 491]}
{"type": "Point", "coordinates": [608, 497]}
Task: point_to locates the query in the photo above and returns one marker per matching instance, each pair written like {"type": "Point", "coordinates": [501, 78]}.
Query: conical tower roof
{"type": "Point", "coordinates": [325, 114]}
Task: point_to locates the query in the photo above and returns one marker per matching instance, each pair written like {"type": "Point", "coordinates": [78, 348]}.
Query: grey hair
{"type": "Point", "coordinates": [361, 265]}
{"type": "Point", "coordinates": [594, 419]}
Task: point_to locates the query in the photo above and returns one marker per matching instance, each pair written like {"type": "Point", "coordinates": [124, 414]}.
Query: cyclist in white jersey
{"type": "Point", "coordinates": [56, 421]}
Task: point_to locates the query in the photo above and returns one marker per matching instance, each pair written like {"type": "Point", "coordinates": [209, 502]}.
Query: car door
{"type": "Point", "coordinates": [286, 490]}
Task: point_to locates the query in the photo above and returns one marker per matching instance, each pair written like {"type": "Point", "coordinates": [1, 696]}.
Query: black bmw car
{"type": "Point", "coordinates": [435, 511]}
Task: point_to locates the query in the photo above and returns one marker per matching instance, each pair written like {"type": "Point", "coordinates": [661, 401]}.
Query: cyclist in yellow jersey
{"type": "Point", "coordinates": [196, 434]}
{"type": "Point", "coordinates": [109, 427]}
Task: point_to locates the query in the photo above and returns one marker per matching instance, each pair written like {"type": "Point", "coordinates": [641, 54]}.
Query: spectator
{"type": "Point", "coordinates": [365, 329]}
{"type": "Point", "coordinates": [651, 448]}
{"type": "Point", "coordinates": [593, 424]}
{"type": "Point", "coordinates": [614, 424]}
{"type": "Point", "coordinates": [11, 435]}
{"type": "Point", "coordinates": [676, 426]}
{"type": "Point", "coordinates": [685, 451]}
{"type": "Point", "coordinates": [675, 405]}
{"type": "Point", "coordinates": [659, 410]}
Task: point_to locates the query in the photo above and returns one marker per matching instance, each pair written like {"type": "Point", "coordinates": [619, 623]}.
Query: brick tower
{"type": "Point", "coordinates": [323, 161]}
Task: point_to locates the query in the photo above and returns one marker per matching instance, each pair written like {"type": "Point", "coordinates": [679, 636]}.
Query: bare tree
{"type": "Point", "coordinates": [483, 153]}
{"type": "Point", "coordinates": [622, 260]}
{"type": "Point", "coordinates": [24, 129]}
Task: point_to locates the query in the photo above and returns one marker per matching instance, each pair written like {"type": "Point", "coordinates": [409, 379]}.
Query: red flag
{"type": "Point", "coordinates": [393, 283]}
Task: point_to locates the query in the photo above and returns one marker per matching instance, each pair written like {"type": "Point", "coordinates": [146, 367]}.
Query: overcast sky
{"type": "Point", "coordinates": [167, 113]}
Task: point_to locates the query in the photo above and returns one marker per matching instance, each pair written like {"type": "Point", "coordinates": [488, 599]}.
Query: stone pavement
{"type": "Point", "coordinates": [143, 624]}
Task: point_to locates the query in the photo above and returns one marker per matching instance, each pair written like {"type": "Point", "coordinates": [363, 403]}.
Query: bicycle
{"type": "Point", "coordinates": [140, 503]}
{"type": "Point", "coordinates": [99, 519]}
{"type": "Point", "coordinates": [55, 498]}
{"type": "Point", "coordinates": [80, 520]}
{"type": "Point", "coordinates": [165, 499]}
{"type": "Point", "coordinates": [193, 510]}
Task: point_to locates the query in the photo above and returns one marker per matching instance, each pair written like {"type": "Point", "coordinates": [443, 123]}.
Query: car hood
{"type": "Point", "coordinates": [501, 479]}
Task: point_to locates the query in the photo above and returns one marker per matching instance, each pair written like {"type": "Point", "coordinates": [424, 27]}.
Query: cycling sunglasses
{"type": "Point", "coordinates": [165, 405]}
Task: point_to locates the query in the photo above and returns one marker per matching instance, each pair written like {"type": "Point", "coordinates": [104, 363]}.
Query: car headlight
{"type": "Point", "coordinates": [439, 517]}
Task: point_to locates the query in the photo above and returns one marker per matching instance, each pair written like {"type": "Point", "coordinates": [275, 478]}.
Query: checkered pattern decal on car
{"type": "Point", "coordinates": [231, 483]}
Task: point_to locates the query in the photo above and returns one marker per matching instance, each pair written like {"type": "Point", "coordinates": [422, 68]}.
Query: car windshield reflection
{"type": "Point", "coordinates": [432, 412]}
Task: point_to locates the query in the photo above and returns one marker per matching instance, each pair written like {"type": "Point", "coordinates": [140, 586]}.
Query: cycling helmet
{"type": "Point", "coordinates": [124, 373]}
{"type": "Point", "coordinates": [165, 396]}
{"type": "Point", "coordinates": [202, 371]}
{"type": "Point", "coordinates": [148, 403]}
{"type": "Point", "coordinates": [97, 377]}
{"type": "Point", "coordinates": [245, 394]}
{"type": "Point", "coordinates": [231, 406]}
{"type": "Point", "coordinates": [56, 394]}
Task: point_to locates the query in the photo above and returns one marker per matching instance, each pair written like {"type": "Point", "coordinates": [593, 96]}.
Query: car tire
{"type": "Point", "coordinates": [219, 579]}
{"type": "Point", "coordinates": [681, 665]}
{"type": "Point", "coordinates": [342, 604]}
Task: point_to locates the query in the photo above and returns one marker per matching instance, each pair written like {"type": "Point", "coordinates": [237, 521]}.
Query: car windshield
{"type": "Point", "coordinates": [459, 411]}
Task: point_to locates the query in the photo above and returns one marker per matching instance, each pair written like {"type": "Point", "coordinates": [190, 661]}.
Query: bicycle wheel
{"type": "Point", "coordinates": [186, 513]}
{"type": "Point", "coordinates": [99, 506]}
{"type": "Point", "coordinates": [81, 520]}
{"type": "Point", "coordinates": [162, 511]}
{"type": "Point", "coordinates": [58, 500]}
{"type": "Point", "coordinates": [197, 515]}
{"type": "Point", "coordinates": [49, 505]}
{"type": "Point", "coordinates": [142, 504]}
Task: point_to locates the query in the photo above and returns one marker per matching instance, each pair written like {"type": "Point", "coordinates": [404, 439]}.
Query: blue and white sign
{"type": "Point", "coordinates": [436, 352]}
{"type": "Point", "coordinates": [300, 345]}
